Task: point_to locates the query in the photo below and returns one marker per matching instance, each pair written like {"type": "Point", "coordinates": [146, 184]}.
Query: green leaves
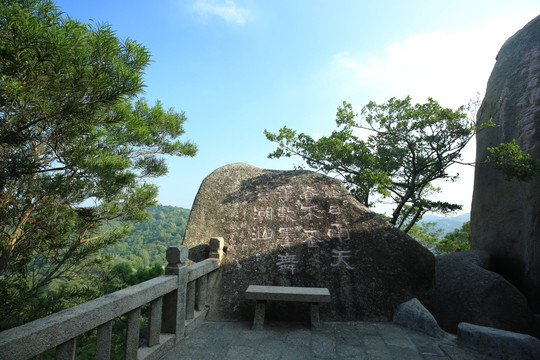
{"type": "Point", "coordinates": [285, 138]}
{"type": "Point", "coordinates": [512, 162]}
{"type": "Point", "coordinates": [391, 150]}
{"type": "Point", "coordinates": [431, 238]}
{"type": "Point", "coordinates": [73, 131]}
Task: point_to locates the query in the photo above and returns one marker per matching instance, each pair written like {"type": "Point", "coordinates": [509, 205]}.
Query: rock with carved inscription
{"type": "Point", "coordinates": [301, 228]}
{"type": "Point", "coordinates": [505, 215]}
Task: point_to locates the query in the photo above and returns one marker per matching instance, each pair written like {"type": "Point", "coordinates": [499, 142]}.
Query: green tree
{"type": "Point", "coordinates": [427, 235]}
{"type": "Point", "coordinates": [77, 144]}
{"type": "Point", "coordinates": [457, 240]}
{"type": "Point", "coordinates": [149, 239]}
{"type": "Point", "coordinates": [409, 147]}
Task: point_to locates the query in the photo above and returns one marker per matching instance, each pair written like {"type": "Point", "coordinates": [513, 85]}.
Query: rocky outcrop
{"type": "Point", "coordinates": [505, 215]}
{"type": "Point", "coordinates": [301, 228]}
{"type": "Point", "coordinates": [467, 291]}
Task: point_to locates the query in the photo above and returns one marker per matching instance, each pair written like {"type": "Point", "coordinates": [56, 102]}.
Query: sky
{"type": "Point", "coordinates": [238, 67]}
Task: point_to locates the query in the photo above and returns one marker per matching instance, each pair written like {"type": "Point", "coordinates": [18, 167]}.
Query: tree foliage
{"type": "Point", "coordinates": [77, 143]}
{"type": "Point", "coordinates": [512, 162]}
{"type": "Point", "coordinates": [426, 233]}
{"type": "Point", "coordinates": [148, 240]}
{"type": "Point", "coordinates": [136, 257]}
{"type": "Point", "coordinates": [408, 147]}
{"type": "Point", "coordinates": [457, 240]}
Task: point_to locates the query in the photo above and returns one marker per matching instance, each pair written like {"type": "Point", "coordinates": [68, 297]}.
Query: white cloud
{"type": "Point", "coordinates": [449, 66]}
{"type": "Point", "coordinates": [227, 10]}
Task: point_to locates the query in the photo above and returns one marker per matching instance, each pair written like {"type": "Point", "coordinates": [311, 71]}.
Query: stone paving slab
{"type": "Point", "coordinates": [334, 340]}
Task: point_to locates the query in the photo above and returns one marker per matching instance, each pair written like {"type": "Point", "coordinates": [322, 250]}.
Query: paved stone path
{"type": "Point", "coordinates": [334, 340]}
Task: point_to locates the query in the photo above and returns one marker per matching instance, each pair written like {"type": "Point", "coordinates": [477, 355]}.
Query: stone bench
{"type": "Point", "coordinates": [262, 294]}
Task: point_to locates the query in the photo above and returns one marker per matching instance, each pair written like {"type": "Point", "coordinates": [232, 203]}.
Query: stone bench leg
{"type": "Point", "coordinates": [258, 321]}
{"type": "Point", "coordinates": [314, 315]}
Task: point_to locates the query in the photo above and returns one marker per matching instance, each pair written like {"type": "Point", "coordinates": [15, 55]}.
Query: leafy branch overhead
{"type": "Point", "coordinates": [76, 141]}
{"type": "Point", "coordinates": [394, 150]}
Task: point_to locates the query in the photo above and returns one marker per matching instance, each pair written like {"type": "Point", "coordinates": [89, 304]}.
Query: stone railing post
{"type": "Point", "coordinates": [174, 303]}
{"type": "Point", "coordinates": [103, 342]}
{"type": "Point", "coordinates": [132, 334]}
{"type": "Point", "coordinates": [190, 300]}
{"type": "Point", "coordinates": [154, 321]}
{"type": "Point", "coordinates": [66, 351]}
{"type": "Point", "coordinates": [200, 294]}
{"type": "Point", "coordinates": [216, 248]}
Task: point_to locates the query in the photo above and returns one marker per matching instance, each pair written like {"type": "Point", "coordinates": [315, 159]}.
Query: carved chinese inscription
{"type": "Point", "coordinates": [287, 262]}
{"type": "Point", "coordinates": [262, 233]}
{"type": "Point", "coordinates": [290, 216]}
{"type": "Point", "coordinates": [341, 256]}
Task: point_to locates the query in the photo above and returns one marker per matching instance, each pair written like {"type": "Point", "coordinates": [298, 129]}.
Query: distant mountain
{"type": "Point", "coordinates": [447, 224]}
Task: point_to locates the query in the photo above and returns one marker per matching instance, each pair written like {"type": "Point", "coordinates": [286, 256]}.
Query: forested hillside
{"type": "Point", "coordinates": [136, 257]}
{"type": "Point", "coordinates": [148, 240]}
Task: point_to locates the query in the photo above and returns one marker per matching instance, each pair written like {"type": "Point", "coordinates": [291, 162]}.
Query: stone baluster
{"type": "Point", "coordinates": [66, 351]}
{"type": "Point", "coordinates": [200, 292]}
{"type": "Point", "coordinates": [154, 321]}
{"type": "Point", "coordinates": [190, 300]}
{"type": "Point", "coordinates": [132, 333]}
{"type": "Point", "coordinates": [174, 303]}
{"type": "Point", "coordinates": [103, 341]}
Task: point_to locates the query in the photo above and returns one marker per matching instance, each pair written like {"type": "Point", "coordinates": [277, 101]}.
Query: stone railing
{"type": "Point", "coordinates": [177, 306]}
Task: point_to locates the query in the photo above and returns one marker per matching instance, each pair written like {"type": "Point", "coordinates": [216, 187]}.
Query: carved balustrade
{"type": "Point", "coordinates": [177, 306]}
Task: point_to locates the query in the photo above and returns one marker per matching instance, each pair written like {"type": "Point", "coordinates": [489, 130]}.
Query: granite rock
{"type": "Point", "coordinates": [505, 215]}
{"type": "Point", "coordinates": [413, 315]}
{"type": "Point", "coordinates": [500, 344]}
{"type": "Point", "coordinates": [301, 228]}
{"type": "Point", "coordinates": [468, 291]}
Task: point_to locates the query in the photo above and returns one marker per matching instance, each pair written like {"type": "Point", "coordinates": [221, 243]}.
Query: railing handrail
{"type": "Point", "coordinates": [61, 328]}
{"type": "Point", "coordinates": [42, 334]}
{"type": "Point", "coordinates": [202, 268]}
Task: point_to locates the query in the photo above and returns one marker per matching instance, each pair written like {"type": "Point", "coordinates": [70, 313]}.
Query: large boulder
{"type": "Point", "coordinates": [301, 228]}
{"type": "Point", "coordinates": [468, 291]}
{"type": "Point", "coordinates": [505, 215]}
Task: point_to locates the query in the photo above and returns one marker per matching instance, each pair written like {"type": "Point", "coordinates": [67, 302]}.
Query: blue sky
{"type": "Point", "coordinates": [237, 67]}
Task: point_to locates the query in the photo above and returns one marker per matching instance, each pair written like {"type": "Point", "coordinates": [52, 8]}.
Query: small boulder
{"type": "Point", "coordinates": [413, 315]}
